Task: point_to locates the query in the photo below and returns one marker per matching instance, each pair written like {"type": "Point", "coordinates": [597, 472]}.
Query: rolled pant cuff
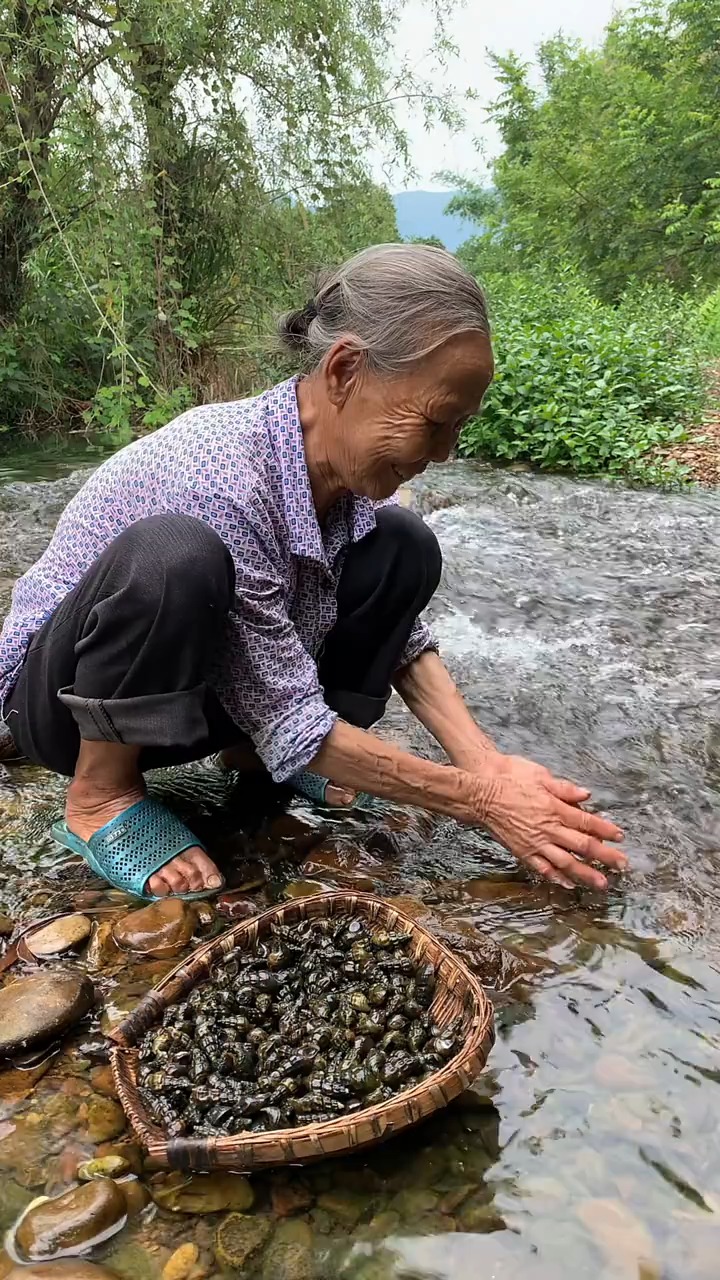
{"type": "Point", "coordinates": [357, 708]}
{"type": "Point", "coordinates": [151, 720]}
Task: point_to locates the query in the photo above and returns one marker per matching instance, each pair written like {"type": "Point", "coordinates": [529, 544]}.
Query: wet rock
{"type": "Point", "coordinates": [68, 1270]}
{"type": "Point", "coordinates": [203, 1193]}
{"type": "Point", "coordinates": [71, 1223]}
{"type": "Point", "coordinates": [6, 926]}
{"type": "Point", "coordinates": [625, 1243]}
{"type": "Point", "coordinates": [103, 1082]}
{"type": "Point", "coordinates": [452, 1200]}
{"type": "Point", "coordinates": [137, 1196]}
{"type": "Point", "coordinates": [289, 1196]}
{"type": "Point", "coordinates": [102, 1119]}
{"type": "Point", "coordinates": [59, 936]}
{"type": "Point", "coordinates": [120, 1003]}
{"type": "Point", "coordinates": [16, 1085]}
{"type": "Point", "coordinates": [383, 1224]}
{"type": "Point", "coordinates": [481, 1217]}
{"type": "Point", "coordinates": [40, 1008]}
{"type": "Point", "coordinates": [304, 889]}
{"type": "Point", "coordinates": [235, 906]}
{"type": "Point", "coordinates": [205, 914]}
{"type": "Point", "coordinates": [289, 1256]}
{"type": "Point", "coordinates": [239, 1238]}
{"type": "Point", "coordinates": [104, 1167]}
{"type": "Point", "coordinates": [128, 1151]}
{"type": "Point", "coordinates": [14, 1200]}
{"type": "Point", "coordinates": [295, 831]}
{"type": "Point", "coordinates": [160, 929]}
{"type": "Point", "coordinates": [132, 1261]}
{"type": "Point", "coordinates": [103, 951]}
{"type": "Point", "coordinates": [413, 1202]}
{"type": "Point", "coordinates": [347, 1206]}
{"type": "Point", "coordinates": [182, 1263]}
{"type": "Point", "coordinates": [62, 1170]}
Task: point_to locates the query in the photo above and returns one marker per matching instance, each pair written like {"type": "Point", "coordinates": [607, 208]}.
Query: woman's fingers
{"type": "Point", "coordinates": [591, 849]}
{"type": "Point", "coordinates": [590, 824]}
{"type": "Point", "coordinates": [565, 790]}
{"type": "Point", "coordinates": [572, 868]}
{"type": "Point", "coordinates": [548, 871]}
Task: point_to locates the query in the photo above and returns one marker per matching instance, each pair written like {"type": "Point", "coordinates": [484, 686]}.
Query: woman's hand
{"type": "Point", "coordinates": [536, 816]}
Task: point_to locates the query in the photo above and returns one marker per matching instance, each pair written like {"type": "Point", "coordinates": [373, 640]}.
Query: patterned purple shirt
{"type": "Point", "coordinates": [241, 468]}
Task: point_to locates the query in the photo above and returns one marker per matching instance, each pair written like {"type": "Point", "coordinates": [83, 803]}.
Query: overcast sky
{"type": "Point", "coordinates": [519, 25]}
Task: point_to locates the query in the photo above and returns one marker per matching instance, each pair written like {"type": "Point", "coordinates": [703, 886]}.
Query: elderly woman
{"type": "Point", "coordinates": [242, 582]}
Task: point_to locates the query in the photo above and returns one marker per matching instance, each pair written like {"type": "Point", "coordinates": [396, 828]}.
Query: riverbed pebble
{"type": "Point", "coordinates": [239, 1237]}
{"type": "Point", "coordinates": [42, 1007]}
{"type": "Point", "coordinates": [59, 936]}
{"type": "Point", "coordinates": [203, 1193]}
{"type": "Point", "coordinates": [160, 929]}
{"type": "Point", "coordinates": [182, 1263]}
{"type": "Point", "coordinates": [71, 1223]}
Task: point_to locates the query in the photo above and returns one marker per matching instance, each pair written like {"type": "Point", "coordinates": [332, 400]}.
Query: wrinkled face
{"type": "Point", "coordinates": [384, 431]}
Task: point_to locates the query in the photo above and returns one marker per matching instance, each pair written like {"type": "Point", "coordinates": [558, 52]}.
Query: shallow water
{"type": "Point", "coordinates": [581, 621]}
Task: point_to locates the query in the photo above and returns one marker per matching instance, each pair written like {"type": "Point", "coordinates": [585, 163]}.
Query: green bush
{"type": "Point", "coordinates": [582, 385]}
{"type": "Point", "coordinates": [706, 321]}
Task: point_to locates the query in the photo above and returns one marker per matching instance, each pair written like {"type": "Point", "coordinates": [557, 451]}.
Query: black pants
{"type": "Point", "coordinates": [124, 657]}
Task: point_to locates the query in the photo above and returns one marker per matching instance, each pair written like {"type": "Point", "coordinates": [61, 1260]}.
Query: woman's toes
{"type": "Point", "coordinates": [170, 880]}
{"type": "Point", "coordinates": [191, 873]}
{"type": "Point", "coordinates": [208, 876]}
{"type": "Point", "coordinates": [339, 796]}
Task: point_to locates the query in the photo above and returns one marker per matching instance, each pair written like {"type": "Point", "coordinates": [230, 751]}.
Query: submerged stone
{"type": "Point", "coordinates": [159, 929]}
{"type": "Point", "coordinates": [71, 1223]}
{"type": "Point", "coordinates": [40, 1008]}
{"type": "Point", "coordinates": [204, 1193]}
{"type": "Point", "coordinates": [289, 1256]}
{"type": "Point", "coordinates": [102, 1118]}
{"type": "Point", "coordinates": [239, 1237]}
{"type": "Point", "coordinates": [105, 1167]}
{"type": "Point", "coordinates": [59, 936]}
{"type": "Point", "coordinates": [182, 1263]}
{"type": "Point", "coordinates": [103, 950]}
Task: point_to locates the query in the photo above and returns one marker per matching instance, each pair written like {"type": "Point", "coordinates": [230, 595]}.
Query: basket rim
{"type": "Point", "coordinates": [481, 1023]}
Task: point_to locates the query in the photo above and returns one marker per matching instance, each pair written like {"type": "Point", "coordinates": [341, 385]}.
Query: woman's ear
{"type": "Point", "coordinates": [343, 369]}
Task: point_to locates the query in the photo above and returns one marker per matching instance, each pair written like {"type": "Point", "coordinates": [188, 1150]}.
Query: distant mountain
{"type": "Point", "coordinates": [422, 213]}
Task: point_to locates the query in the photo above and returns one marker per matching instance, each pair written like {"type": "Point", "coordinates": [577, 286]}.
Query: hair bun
{"type": "Point", "coordinates": [293, 327]}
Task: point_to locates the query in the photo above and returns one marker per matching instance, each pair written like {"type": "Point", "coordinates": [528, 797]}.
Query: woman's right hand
{"type": "Point", "coordinates": [537, 817]}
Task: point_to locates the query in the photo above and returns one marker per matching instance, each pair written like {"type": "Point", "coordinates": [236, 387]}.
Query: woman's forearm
{"type": "Point", "coordinates": [430, 692]}
{"type": "Point", "coordinates": [359, 760]}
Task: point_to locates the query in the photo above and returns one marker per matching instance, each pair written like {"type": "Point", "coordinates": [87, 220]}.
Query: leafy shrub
{"type": "Point", "coordinates": [706, 322]}
{"type": "Point", "coordinates": [582, 385]}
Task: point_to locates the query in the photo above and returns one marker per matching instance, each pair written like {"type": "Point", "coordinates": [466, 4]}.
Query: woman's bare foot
{"type": "Point", "coordinates": [97, 794]}
{"type": "Point", "coordinates": [244, 759]}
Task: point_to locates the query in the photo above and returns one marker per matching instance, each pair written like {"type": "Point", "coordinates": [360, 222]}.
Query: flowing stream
{"type": "Point", "coordinates": [581, 621]}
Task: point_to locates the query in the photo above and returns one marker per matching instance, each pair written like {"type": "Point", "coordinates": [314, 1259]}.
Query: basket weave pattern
{"type": "Point", "coordinates": [457, 992]}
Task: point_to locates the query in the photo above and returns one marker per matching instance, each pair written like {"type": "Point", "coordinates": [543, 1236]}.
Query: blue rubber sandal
{"type": "Point", "coordinates": [132, 847]}
{"type": "Point", "coordinates": [314, 787]}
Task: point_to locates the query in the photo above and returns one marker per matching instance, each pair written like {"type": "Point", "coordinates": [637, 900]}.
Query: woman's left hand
{"type": "Point", "coordinates": [538, 818]}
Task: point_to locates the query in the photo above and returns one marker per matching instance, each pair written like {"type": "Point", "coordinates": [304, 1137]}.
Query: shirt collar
{"type": "Point", "coordinates": [356, 515]}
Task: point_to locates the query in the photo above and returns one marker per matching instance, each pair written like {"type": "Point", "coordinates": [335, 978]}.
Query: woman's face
{"type": "Point", "coordinates": [380, 432]}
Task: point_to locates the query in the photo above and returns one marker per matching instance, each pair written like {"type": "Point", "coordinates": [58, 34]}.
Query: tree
{"type": "Point", "coordinates": [169, 170]}
{"type": "Point", "coordinates": [614, 163]}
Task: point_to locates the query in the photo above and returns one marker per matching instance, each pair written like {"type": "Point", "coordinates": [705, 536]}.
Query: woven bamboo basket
{"type": "Point", "coordinates": [457, 992]}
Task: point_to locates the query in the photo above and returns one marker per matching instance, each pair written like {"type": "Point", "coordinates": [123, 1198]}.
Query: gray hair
{"type": "Point", "coordinates": [395, 302]}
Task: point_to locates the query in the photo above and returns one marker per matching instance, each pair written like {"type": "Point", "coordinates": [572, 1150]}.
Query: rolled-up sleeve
{"type": "Point", "coordinates": [421, 641]}
{"type": "Point", "coordinates": [265, 678]}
